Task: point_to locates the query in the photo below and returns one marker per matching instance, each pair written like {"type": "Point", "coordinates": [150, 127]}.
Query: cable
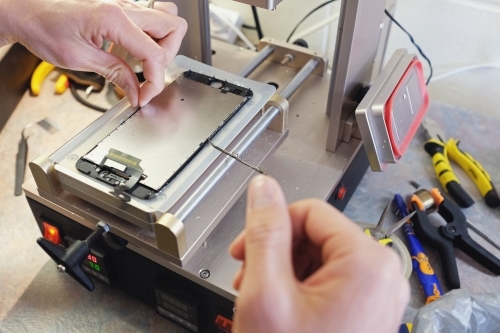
{"type": "Point", "coordinates": [315, 27]}
{"type": "Point", "coordinates": [413, 42]}
{"type": "Point", "coordinates": [233, 27]}
{"type": "Point", "coordinates": [257, 22]}
{"type": "Point", "coordinates": [464, 69]}
{"type": "Point", "coordinates": [305, 17]}
{"type": "Point", "coordinates": [248, 27]}
{"type": "Point", "coordinates": [79, 98]}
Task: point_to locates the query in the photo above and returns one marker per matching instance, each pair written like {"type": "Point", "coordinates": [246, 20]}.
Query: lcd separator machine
{"type": "Point", "coordinates": [148, 200]}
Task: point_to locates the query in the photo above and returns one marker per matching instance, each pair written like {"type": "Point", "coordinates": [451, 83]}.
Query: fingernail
{"type": "Point", "coordinates": [131, 95]}
{"type": "Point", "coordinates": [261, 192]}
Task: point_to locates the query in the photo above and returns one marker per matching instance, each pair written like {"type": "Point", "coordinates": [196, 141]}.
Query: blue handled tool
{"type": "Point", "coordinates": [428, 279]}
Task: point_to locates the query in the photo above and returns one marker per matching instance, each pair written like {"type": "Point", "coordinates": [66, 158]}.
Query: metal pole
{"type": "Point", "coordinates": [301, 76]}
{"type": "Point", "coordinates": [355, 51]}
{"type": "Point", "coordinates": [259, 59]}
{"type": "Point", "coordinates": [256, 130]}
{"type": "Point", "coordinates": [202, 191]}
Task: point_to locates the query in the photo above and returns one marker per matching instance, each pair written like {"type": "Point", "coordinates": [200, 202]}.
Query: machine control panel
{"type": "Point", "coordinates": [95, 265]}
{"type": "Point", "coordinates": [176, 306]}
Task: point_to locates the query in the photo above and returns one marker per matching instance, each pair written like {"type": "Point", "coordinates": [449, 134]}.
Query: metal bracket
{"type": "Point", "coordinates": [170, 235]}
{"type": "Point", "coordinates": [42, 169]}
{"type": "Point", "coordinates": [280, 123]}
{"type": "Point", "coordinates": [300, 55]}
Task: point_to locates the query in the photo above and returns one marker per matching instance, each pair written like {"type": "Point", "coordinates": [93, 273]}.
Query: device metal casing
{"type": "Point", "coordinates": [370, 114]}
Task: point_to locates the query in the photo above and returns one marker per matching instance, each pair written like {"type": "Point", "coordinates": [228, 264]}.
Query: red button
{"type": "Point", "coordinates": [51, 233]}
{"type": "Point", "coordinates": [341, 192]}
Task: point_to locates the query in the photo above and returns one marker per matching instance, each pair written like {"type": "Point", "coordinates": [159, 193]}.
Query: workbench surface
{"type": "Point", "coordinates": [34, 297]}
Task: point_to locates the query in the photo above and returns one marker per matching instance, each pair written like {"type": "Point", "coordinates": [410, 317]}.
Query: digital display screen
{"type": "Point", "coordinates": [95, 263]}
{"type": "Point", "coordinates": [174, 302]}
{"type": "Point", "coordinates": [176, 310]}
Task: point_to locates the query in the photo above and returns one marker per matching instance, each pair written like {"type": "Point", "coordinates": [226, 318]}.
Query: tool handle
{"type": "Point", "coordinates": [445, 174]}
{"type": "Point", "coordinates": [449, 264]}
{"type": "Point", "coordinates": [21, 157]}
{"type": "Point", "coordinates": [479, 254]}
{"type": "Point", "coordinates": [443, 246]}
{"type": "Point", "coordinates": [475, 171]}
{"type": "Point", "coordinates": [458, 194]}
{"type": "Point", "coordinates": [421, 265]}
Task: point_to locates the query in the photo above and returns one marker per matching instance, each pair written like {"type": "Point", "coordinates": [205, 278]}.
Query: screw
{"type": "Point", "coordinates": [453, 229]}
{"type": "Point", "coordinates": [61, 268]}
{"type": "Point", "coordinates": [204, 273]}
{"type": "Point", "coordinates": [288, 58]}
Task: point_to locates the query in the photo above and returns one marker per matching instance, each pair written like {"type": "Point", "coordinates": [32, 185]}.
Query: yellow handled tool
{"type": "Point", "coordinates": [41, 73]}
{"type": "Point", "coordinates": [442, 152]}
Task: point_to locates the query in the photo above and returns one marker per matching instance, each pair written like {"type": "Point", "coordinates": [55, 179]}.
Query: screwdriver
{"type": "Point", "coordinates": [428, 279]}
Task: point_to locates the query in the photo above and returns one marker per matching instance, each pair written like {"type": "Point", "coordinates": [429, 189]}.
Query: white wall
{"type": "Point", "coordinates": [453, 33]}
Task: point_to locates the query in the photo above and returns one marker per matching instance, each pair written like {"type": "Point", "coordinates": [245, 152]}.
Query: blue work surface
{"type": "Point", "coordinates": [480, 136]}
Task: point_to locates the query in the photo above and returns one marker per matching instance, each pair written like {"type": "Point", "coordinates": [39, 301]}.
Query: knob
{"type": "Point", "coordinates": [70, 260]}
{"type": "Point", "coordinates": [301, 42]}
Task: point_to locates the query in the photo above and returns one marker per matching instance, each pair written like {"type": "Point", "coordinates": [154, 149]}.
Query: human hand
{"type": "Point", "coordinates": [307, 268]}
{"type": "Point", "coordinates": [70, 34]}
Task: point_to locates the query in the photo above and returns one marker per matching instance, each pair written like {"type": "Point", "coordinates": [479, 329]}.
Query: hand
{"type": "Point", "coordinates": [307, 268]}
{"type": "Point", "coordinates": [70, 34]}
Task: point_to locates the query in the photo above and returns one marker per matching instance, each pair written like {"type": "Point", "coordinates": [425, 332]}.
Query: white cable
{"type": "Point", "coordinates": [234, 28]}
{"type": "Point", "coordinates": [316, 27]}
{"type": "Point", "coordinates": [464, 69]}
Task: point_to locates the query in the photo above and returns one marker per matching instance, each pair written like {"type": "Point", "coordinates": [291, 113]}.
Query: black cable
{"type": "Point", "coordinates": [257, 22]}
{"type": "Point", "coordinates": [80, 99]}
{"type": "Point", "coordinates": [305, 17]}
{"type": "Point", "coordinates": [413, 42]}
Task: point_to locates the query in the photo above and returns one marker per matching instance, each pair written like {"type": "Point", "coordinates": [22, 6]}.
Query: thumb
{"type": "Point", "coordinates": [117, 71]}
{"type": "Point", "coordinates": [268, 240]}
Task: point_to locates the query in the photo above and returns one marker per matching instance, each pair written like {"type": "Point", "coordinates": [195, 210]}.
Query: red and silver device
{"type": "Point", "coordinates": [391, 112]}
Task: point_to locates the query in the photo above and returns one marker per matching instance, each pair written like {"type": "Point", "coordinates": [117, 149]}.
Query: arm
{"type": "Point", "coordinates": [70, 34]}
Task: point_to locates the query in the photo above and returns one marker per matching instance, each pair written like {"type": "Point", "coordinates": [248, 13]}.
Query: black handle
{"type": "Point", "coordinates": [449, 264]}
{"type": "Point", "coordinates": [479, 254]}
{"type": "Point", "coordinates": [491, 198]}
{"type": "Point", "coordinates": [458, 194]}
{"type": "Point", "coordinates": [70, 260]}
{"type": "Point", "coordinates": [433, 147]}
{"type": "Point", "coordinates": [444, 246]}
{"type": "Point", "coordinates": [22, 156]}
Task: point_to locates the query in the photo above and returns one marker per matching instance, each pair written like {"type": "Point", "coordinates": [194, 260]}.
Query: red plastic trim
{"type": "Point", "coordinates": [399, 151]}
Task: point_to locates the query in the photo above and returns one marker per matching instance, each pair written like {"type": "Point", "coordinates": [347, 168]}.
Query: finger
{"type": "Point", "coordinates": [237, 247]}
{"type": "Point", "coordinates": [157, 24]}
{"type": "Point", "coordinates": [238, 277]}
{"type": "Point", "coordinates": [268, 240]}
{"type": "Point", "coordinates": [167, 7]}
{"type": "Point", "coordinates": [339, 239]}
{"type": "Point", "coordinates": [115, 70]}
{"type": "Point", "coordinates": [170, 40]}
{"type": "Point", "coordinates": [125, 33]}
{"type": "Point", "coordinates": [320, 222]}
